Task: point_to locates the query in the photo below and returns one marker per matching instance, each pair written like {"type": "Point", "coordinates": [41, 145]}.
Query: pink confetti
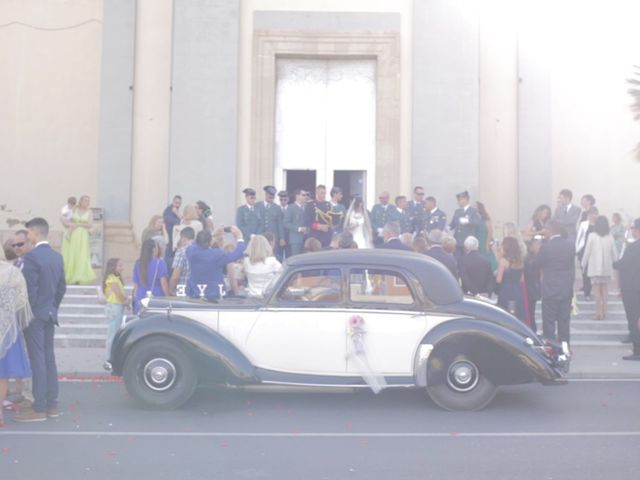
{"type": "Point", "coordinates": [110, 453]}
{"type": "Point", "coordinates": [249, 414]}
{"type": "Point", "coordinates": [5, 450]}
{"type": "Point", "coordinates": [453, 434]}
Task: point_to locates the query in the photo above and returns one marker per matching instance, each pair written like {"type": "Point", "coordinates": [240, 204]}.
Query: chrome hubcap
{"type": "Point", "coordinates": [159, 374]}
{"type": "Point", "coordinates": [463, 376]}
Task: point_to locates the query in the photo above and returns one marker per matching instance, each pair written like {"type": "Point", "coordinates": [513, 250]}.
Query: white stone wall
{"type": "Point", "coordinates": [50, 97]}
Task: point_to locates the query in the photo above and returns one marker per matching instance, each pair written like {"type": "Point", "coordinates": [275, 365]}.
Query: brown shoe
{"type": "Point", "coordinates": [53, 413]}
{"type": "Point", "coordinates": [30, 415]}
{"type": "Point", "coordinates": [23, 405]}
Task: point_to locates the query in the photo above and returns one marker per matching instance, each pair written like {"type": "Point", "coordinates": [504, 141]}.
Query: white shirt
{"type": "Point", "coordinates": [260, 274]}
{"type": "Point", "coordinates": [434, 210]}
{"type": "Point", "coordinates": [43, 242]}
{"type": "Point", "coordinates": [67, 212]}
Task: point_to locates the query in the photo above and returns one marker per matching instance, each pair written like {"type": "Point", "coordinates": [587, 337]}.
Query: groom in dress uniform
{"type": "Point", "coordinates": [318, 218]}
{"type": "Point", "coordinates": [248, 218]}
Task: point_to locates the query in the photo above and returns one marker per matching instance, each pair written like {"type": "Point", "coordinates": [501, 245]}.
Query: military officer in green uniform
{"type": "Point", "coordinates": [271, 215]}
{"type": "Point", "coordinates": [338, 210]}
{"type": "Point", "coordinates": [294, 222]}
{"type": "Point", "coordinates": [380, 217]}
{"type": "Point", "coordinates": [399, 214]}
{"type": "Point", "coordinates": [248, 217]}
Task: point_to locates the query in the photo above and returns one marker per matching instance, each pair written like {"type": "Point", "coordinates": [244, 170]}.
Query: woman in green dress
{"type": "Point", "coordinates": [75, 245]}
{"type": "Point", "coordinates": [484, 233]}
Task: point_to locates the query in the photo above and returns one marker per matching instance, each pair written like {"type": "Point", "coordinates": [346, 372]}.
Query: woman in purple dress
{"type": "Point", "coordinates": [15, 315]}
{"type": "Point", "coordinates": [150, 274]}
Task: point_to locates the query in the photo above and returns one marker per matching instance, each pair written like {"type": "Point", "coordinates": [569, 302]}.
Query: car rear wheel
{"type": "Point", "coordinates": [159, 374]}
{"type": "Point", "coordinates": [463, 386]}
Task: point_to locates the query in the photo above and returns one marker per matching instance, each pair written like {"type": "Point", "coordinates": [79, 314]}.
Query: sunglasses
{"type": "Point", "coordinates": [19, 244]}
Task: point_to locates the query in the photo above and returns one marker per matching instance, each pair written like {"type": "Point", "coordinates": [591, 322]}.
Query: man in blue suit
{"type": "Point", "coordinates": [44, 273]}
{"type": "Point", "coordinates": [206, 279]}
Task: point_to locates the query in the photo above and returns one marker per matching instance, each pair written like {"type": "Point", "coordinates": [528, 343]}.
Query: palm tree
{"type": "Point", "coordinates": [634, 91]}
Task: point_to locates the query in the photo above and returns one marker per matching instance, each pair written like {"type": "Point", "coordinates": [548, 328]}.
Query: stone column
{"type": "Point", "coordinates": [151, 111]}
{"type": "Point", "coordinates": [499, 110]}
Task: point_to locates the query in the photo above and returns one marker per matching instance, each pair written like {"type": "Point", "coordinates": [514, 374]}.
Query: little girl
{"type": "Point", "coordinates": [115, 297]}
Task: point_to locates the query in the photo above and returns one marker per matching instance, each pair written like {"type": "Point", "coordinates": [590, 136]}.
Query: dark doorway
{"type": "Point", "coordinates": [352, 182]}
{"type": "Point", "coordinates": [304, 179]}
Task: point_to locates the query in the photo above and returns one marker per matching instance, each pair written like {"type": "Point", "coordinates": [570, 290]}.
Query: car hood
{"type": "Point", "coordinates": [481, 310]}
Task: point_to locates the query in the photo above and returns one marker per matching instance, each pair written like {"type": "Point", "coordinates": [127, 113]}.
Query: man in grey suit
{"type": "Point", "coordinates": [567, 214]}
{"type": "Point", "coordinates": [294, 222]}
{"type": "Point", "coordinates": [44, 274]}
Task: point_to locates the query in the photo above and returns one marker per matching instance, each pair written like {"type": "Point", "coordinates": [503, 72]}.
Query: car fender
{"type": "Point", "coordinates": [506, 357]}
{"type": "Point", "coordinates": [208, 346]}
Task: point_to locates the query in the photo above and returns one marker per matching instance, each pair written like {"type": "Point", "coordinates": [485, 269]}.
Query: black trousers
{"type": "Point", "coordinates": [39, 338]}
{"type": "Point", "coordinates": [631, 302]}
{"type": "Point", "coordinates": [556, 312]}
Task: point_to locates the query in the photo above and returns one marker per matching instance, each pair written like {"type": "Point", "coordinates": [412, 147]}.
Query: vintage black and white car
{"type": "Point", "coordinates": [348, 319]}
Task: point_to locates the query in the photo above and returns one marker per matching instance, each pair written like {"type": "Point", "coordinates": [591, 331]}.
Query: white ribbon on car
{"type": "Point", "coordinates": [358, 355]}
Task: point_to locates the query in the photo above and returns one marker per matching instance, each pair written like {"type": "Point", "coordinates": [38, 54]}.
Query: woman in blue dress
{"type": "Point", "coordinates": [15, 315]}
{"type": "Point", "coordinates": [150, 274]}
{"type": "Point", "coordinates": [509, 278]}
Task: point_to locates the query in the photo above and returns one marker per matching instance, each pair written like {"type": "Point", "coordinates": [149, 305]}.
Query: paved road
{"type": "Point", "coordinates": [585, 430]}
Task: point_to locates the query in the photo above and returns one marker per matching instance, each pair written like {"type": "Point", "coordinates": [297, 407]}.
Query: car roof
{"type": "Point", "coordinates": [439, 285]}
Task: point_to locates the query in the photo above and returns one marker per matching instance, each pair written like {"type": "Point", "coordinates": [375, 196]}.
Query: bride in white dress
{"type": "Point", "coordinates": [358, 223]}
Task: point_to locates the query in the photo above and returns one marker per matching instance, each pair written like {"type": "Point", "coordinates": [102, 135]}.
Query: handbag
{"type": "Point", "coordinates": [102, 300]}
{"type": "Point", "coordinates": [153, 282]}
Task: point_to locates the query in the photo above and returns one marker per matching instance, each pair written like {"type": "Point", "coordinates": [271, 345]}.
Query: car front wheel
{"type": "Point", "coordinates": [159, 374]}
{"type": "Point", "coordinates": [462, 386]}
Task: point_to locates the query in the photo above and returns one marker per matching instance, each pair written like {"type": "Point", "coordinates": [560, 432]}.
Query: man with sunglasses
{"type": "Point", "coordinates": [21, 246]}
{"type": "Point", "coordinates": [415, 210]}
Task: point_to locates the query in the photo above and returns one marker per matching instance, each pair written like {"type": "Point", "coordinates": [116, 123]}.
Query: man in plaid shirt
{"type": "Point", "coordinates": [181, 270]}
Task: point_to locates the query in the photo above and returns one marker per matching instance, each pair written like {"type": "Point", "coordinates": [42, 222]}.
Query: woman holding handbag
{"type": "Point", "coordinates": [150, 274]}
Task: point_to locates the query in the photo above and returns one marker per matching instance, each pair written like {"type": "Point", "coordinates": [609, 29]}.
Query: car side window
{"type": "Point", "coordinates": [379, 286]}
{"type": "Point", "coordinates": [312, 287]}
